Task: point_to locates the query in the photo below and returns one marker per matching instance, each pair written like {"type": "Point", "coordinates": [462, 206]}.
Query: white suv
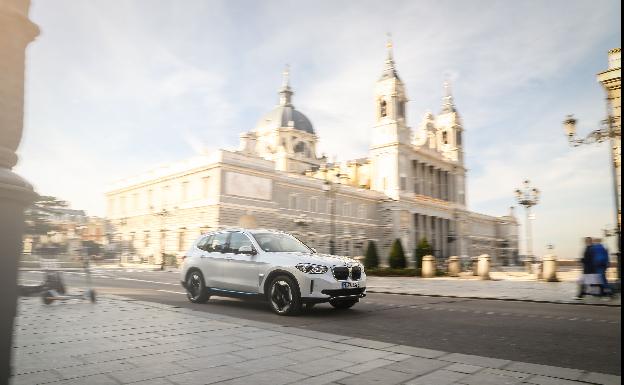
{"type": "Point", "coordinates": [270, 264]}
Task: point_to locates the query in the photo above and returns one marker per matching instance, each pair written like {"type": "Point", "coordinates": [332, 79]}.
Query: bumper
{"type": "Point", "coordinates": [324, 288]}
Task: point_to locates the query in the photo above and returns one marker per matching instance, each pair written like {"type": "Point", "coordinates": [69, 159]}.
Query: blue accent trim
{"type": "Point", "coordinates": [233, 291]}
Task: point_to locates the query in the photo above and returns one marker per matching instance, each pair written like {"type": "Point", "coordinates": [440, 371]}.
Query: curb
{"type": "Point", "coordinates": [494, 299]}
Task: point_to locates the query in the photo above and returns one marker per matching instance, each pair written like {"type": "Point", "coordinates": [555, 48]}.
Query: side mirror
{"type": "Point", "coordinates": [247, 250]}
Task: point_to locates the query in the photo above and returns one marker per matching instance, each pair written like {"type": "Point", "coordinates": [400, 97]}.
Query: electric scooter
{"type": "Point", "coordinates": [52, 295]}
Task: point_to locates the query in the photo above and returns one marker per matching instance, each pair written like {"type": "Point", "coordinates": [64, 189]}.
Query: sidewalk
{"type": "Point", "coordinates": [121, 341]}
{"type": "Point", "coordinates": [510, 286]}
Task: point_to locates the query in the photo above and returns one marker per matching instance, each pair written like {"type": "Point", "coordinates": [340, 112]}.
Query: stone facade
{"type": "Point", "coordinates": [411, 186]}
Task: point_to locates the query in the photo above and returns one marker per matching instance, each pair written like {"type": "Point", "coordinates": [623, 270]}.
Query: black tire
{"type": "Point", "coordinates": [196, 290]}
{"type": "Point", "coordinates": [284, 296]}
{"type": "Point", "coordinates": [343, 304]}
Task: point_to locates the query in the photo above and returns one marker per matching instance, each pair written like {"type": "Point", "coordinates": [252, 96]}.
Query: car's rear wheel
{"type": "Point", "coordinates": [196, 290]}
{"type": "Point", "coordinates": [284, 296]}
{"type": "Point", "coordinates": [343, 304]}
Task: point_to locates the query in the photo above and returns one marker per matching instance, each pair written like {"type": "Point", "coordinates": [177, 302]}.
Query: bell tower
{"type": "Point", "coordinates": [449, 127]}
{"type": "Point", "coordinates": [390, 100]}
{"type": "Point", "coordinates": [391, 135]}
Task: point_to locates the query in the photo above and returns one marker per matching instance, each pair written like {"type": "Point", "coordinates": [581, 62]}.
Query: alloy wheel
{"type": "Point", "coordinates": [194, 285]}
{"type": "Point", "coordinates": [281, 296]}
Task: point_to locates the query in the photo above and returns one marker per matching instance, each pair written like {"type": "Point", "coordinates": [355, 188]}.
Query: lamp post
{"type": "Point", "coordinates": [528, 197]}
{"type": "Point", "coordinates": [330, 189]}
{"type": "Point", "coordinates": [162, 214]}
{"type": "Point", "coordinates": [610, 130]}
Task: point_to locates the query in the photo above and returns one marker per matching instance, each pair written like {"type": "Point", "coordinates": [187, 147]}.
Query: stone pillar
{"type": "Point", "coordinates": [16, 32]}
{"type": "Point", "coordinates": [483, 266]}
{"type": "Point", "coordinates": [453, 266]}
{"type": "Point", "coordinates": [428, 269]}
{"type": "Point", "coordinates": [549, 268]}
{"type": "Point", "coordinates": [474, 264]}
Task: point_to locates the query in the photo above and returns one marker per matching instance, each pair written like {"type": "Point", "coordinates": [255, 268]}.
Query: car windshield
{"type": "Point", "coordinates": [278, 242]}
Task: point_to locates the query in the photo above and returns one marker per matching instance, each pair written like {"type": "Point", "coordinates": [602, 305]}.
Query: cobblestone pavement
{"type": "Point", "coordinates": [121, 341]}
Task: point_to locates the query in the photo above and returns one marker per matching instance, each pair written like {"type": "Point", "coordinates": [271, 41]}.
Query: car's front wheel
{"type": "Point", "coordinates": [196, 290]}
{"type": "Point", "coordinates": [343, 304]}
{"type": "Point", "coordinates": [284, 296]}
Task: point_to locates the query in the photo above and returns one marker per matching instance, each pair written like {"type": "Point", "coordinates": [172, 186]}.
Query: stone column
{"type": "Point", "coordinates": [451, 187]}
{"type": "Point", "coordinates": [453, 266]}
{"type": "Point", "coordinates": [428, 266]}
{"type": "Point", "coordinates": [416, 181]}
{"type": "Point", "coordinates": [430, 177]}
{"type": "Point", "coordinates": [16, 32]}
{"type": "Point", "coordinates": [549, 269]}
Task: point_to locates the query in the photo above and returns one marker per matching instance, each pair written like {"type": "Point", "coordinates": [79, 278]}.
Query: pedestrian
{"type": "Point", "coordinates": [588, 268]}
{"type": "Point", "coordinates": [600, 260]}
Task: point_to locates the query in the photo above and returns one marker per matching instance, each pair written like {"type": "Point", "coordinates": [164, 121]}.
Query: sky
{"type": "Point", "coordinates": [115, 88]}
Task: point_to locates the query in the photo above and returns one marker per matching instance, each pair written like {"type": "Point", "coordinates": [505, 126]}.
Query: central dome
{"type": "Point", "coordinates": [284, 114]}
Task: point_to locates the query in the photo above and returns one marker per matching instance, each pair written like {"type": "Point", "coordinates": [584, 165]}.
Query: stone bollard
{"type": "Point", "coordinates": [428, 269]}
{"type": "Point", "coordinates": [483, 266]}
{"type": "Point", "coordinates": [549, 268]}
{"type": "Point", "coordinates": [453, 266]}
{"type": "Point", "coordinates": [474, 264]}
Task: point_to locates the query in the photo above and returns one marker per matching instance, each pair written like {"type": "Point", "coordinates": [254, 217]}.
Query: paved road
{"type": "Point", "coordinates": [574, 336]}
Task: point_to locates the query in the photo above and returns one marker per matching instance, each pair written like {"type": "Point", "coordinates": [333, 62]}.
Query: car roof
{"type": "Point", "coordinates": [250, 231]}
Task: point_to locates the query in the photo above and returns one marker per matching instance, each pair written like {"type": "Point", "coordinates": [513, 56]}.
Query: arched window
{"type": "Point", "coordinates": [401, 109]}
{"type": "Point", "coordinates": [300, 147]}
{"type": "Point", "coordinates": [459, 138]}
{"type": "Point", "coordinates": [382, 108]}
{"type": "Point", "coordinates": [445, 137]}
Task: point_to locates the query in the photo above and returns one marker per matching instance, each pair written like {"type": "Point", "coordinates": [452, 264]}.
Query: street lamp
{"type": "Point", "coordinates": [610, 130]}
{"type": "Point", "coordinates": [330, 190]}
{"type": "Point", "coordinates": [162, 214]}
{"type": "Point", "coordinates": [528, 197]}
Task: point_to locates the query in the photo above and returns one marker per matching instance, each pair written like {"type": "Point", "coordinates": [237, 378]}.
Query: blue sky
{"type": "Point", "coordinates": [117, 87]}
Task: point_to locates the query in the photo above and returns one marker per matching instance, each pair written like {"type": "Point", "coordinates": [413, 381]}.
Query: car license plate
{"type": "Point", "coordinates": [346, 285]}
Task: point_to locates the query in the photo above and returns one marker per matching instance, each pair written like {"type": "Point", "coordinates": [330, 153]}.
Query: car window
{"type": "Point", "coordinates": [218, 242]}
{"type": "Point", "coordinates": [237, 240]}
{"type": "Point", "coordinates": [280, 242]}
{"type": "Point", "coordinates": [204, 243]}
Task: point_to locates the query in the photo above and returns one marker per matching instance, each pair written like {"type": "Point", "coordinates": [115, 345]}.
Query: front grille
{"type": "Point", "coordinates": [344, 292]}
{"type": "Point", "coordinates": [356, 273]}
{"type": "Point", "coordinates": [340, 272]}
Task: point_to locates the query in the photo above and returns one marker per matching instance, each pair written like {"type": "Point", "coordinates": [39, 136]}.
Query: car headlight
{"type": "Point", "coordinates": [311, 268]}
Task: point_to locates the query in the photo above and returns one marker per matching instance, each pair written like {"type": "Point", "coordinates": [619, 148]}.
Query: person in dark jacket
{"type": "Point", "coordinates": [588, 266]}
{"type": "Point", "coordinates": [600, 259]}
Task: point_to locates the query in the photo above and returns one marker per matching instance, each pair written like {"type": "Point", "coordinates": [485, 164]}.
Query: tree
{"type": "Point", "coordinates": [397, 256]}
{"type": "Point", "coordinates": [372, 259]}
{"type": "Point", "coordinates": [423, 248]}
{"type": "Point", "coordinates": [37, 217]}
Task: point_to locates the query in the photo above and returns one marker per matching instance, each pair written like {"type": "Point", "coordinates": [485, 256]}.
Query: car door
{"type": "Point", "coordinates": [217, 258]}
{"type": "Point", "coordinates": [205, 261]}
{"type": "Point", "coordinates": [242, 267]}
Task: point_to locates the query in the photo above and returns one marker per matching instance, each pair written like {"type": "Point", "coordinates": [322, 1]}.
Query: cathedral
{"type": "Point", "coordinates": [412, 185]}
